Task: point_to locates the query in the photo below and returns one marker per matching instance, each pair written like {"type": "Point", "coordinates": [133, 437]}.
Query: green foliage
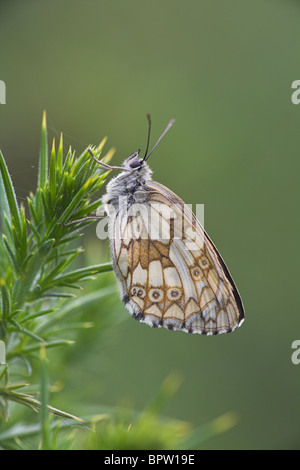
{"type": "Point", "coordinates": [36, 254]}
{"type": "Point", "coordinates": [149, 429]}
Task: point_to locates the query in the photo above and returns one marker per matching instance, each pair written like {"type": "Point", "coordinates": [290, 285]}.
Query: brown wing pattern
{"type": "Point", "coordinates": [170, 273]}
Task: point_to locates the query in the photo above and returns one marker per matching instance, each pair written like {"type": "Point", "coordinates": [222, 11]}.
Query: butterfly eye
{"type": "Point", "coordinates": [135, 164]}
{"type": "Point", "coordinates": [156, 295]}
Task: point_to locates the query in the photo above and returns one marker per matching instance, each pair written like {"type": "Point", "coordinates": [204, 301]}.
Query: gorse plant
{"type": "Point", "coordinates": [38, 311]}
{"type": "Point", "coordinates": [35, 255]}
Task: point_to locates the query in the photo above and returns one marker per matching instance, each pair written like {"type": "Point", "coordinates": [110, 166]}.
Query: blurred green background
{"type": "Point", "coordinates": [224, 71]}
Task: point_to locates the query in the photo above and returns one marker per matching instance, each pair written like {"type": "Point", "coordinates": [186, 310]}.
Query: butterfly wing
{"type": "Point", "coordinates": [169, 271]}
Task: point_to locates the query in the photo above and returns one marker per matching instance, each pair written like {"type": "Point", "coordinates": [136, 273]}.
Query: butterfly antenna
{"type": "Point", "coordinates": [148, 138]}
{"type": "Point", "coordinates": [163, 134]}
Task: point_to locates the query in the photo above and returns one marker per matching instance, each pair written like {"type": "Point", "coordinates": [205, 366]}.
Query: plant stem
{"type": "Point", "coordinates": [26, 280]}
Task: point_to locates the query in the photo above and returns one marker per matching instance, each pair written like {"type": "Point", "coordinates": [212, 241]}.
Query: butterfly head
{"type": "Point", "coordinates": [136, 172]}
{"type": "Point", "coordinates": [133, 162]}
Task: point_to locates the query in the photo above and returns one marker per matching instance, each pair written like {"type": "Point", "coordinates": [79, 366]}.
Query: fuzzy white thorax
{"type": "Point", "coordinates": [130, 183]}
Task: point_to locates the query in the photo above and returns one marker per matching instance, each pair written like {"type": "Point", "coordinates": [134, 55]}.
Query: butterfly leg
{"type": "Point", "coordinates": [105, 165]}
{"type": "Point", "coordinates": [94, 217]}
